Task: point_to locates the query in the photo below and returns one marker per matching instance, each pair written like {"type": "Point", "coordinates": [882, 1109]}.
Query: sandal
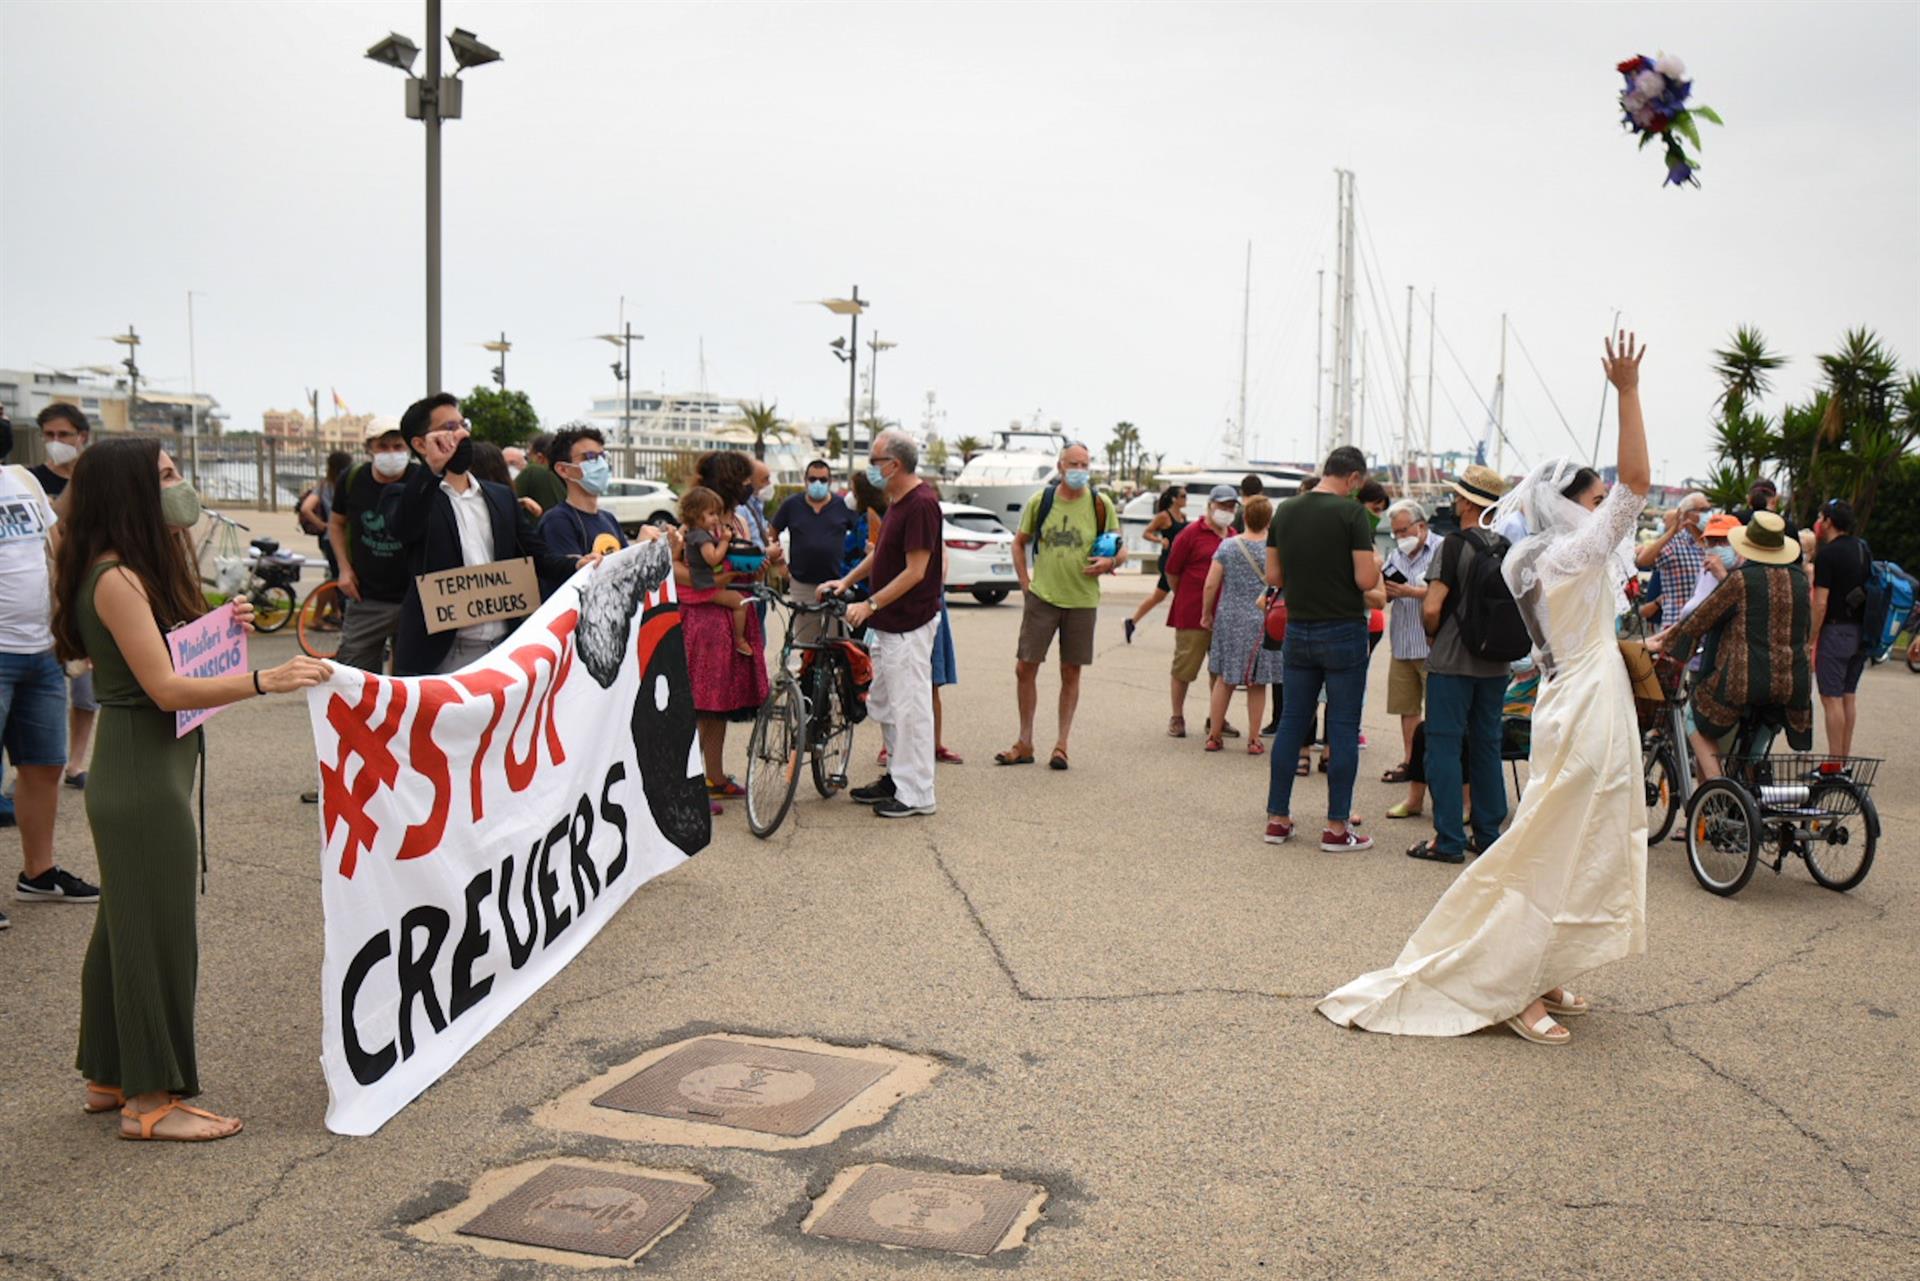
{"type": "Point", "coordinates": [1255, 747]}
{"type": "Point", "coordinates": [946, 757]}
{"type": "Point", "coordinates": [1058, 760]}
{"type": "Point", "coordinates": [1176, 727]}
{"type": "Point", "coordinates": [147, 1120]}
{"type": "Point", "coordinates": [1545, 1032]}
{"type": "Point", "coordinates": [1018, 754]}
{"type": "Point", "coordinates": [1303, 768]}
{"type": "Point", "coordinates": [1398, 774]}
{"type": "Point", "coordinates": [1214, 744]}
{"type": "Point", "coordinates": [1568, 1004]}
{"type": "Point", "coordinates": [116, 1098]}
{"type": "Point", "coordinates": [1403, 810]}
{"type": "Point", "coordinates": [727, 787]}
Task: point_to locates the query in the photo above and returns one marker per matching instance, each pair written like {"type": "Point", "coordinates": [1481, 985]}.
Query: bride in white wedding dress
{"type": "Point", "coordinates": [1564, 889]}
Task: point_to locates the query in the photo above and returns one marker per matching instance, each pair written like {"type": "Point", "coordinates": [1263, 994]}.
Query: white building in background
{"type": "Point", "coordinates": [103, 399]}
{"type": "Point", "coordinates": [659, 420]}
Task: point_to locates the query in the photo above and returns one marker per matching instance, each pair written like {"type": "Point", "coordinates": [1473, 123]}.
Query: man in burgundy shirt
{"type": "Point", "coordinates": [902, 617]}
{"type": "Point", "coordinates": [1187, 564]}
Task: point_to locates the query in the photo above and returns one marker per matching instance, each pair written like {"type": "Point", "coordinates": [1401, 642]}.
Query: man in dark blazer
{"type": "Point", "coordinates": [446, 518]}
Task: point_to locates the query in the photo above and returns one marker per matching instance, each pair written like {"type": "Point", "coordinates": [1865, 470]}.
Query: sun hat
{"type": "Point", "coordinates": [380, 425]}
{"type": "Point", "coordinates": [1720, 526]}
{"type": "Point", "coordinates": [1223, 494]}
{"type": "Point", "coordinates": [1764, 539]}
{"type": "Point", "coordinates": [1480, 485]}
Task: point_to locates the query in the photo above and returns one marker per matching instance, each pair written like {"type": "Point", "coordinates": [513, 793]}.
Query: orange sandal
{"type": "Point", "coordinates": [147, 1120]}
{"type": "Point", "coordinates": [117, 1097]}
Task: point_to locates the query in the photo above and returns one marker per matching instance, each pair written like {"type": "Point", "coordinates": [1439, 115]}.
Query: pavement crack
{"type": "Point", "coordinates": [1799, 953]}
{"type": "Point", "coordinates": [1665, 1215]}
{"type": "Point", "coordinates": [1024, 993]}
{"type": "Point", "coordinates": [545, 1022]}
{"type": "Point", "coordinates": [41, 1265]}
{"type": "Point", "coordinates": [253, 1209]}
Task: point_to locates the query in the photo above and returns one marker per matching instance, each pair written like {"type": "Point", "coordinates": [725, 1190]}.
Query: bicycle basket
{"type": "Point", "coordinates": [1803, 783]}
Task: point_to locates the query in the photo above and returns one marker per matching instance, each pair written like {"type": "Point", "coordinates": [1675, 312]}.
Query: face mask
{"type": "Point", "coordinates": [1725, 555]}
{"type": "Point", "coordinates": [1408, 545]}
{"type": "Point", "coordinates": [853, 504]}
{"type": "Point", "coordinates": [60, 453]}
{"type": "Point", "coordinates": [1078, 478]}
{"type": "Point", "coordinates": [764, 493]}
{"type": "Point", "coordinates": [817, 490]}
{"type": "Point", "coordinates": [1221, 519]}
{"type": "Point", "coordinates": [1373, 522]}
{"type": "Point", "coordinates": [462, 458]}
{"type": "Point", "coordinates": [515, 472]}
{"type": "Point", "coordinates": [876, 477]}
{"type": "Point", "coordinates": [389, 465]}
{"type": "Point", "coordinates": [180, 506]}
{"type": "Point", "coordinates": [596, 476]}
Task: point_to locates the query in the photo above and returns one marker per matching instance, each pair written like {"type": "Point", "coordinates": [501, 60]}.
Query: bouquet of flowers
{"type": "Point", "coordinates": [1653, 104]}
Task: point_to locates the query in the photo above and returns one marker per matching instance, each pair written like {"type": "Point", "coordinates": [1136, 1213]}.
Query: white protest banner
{"type": "Point", "coordinates": [478, 829]}
{"type": "Point", "coordinates": [214, 644]}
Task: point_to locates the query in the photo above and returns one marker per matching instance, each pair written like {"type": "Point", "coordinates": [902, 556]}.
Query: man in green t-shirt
{"type": "Point", "coordinates": [1062, 592]}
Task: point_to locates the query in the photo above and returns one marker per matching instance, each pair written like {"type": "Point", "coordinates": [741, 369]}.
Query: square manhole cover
{"type": "Point", "coordinates": [586, 1211]}
{"type": "Point", "coordinates": [967, 1214]}
{"type": "Point", "coordinates": [746, 1086]}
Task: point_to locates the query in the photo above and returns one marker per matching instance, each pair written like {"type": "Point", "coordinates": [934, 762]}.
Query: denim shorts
{"type": "Point", "coordinates": [33, 709]}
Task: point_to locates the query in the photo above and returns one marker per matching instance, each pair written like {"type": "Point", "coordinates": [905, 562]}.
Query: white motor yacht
{"type": "Point", "coordinates": [1001, 479]}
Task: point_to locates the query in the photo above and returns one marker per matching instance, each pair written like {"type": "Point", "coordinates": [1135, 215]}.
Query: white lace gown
{"type": "Point", "coordinates": [1564, 889]}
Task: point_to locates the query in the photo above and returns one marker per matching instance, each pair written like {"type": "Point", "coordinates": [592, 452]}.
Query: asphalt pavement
{"type": "Point", "coordinates": [1116, 976]}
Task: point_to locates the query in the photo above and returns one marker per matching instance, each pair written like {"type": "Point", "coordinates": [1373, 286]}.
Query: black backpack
{"type": "Point", "coordinates": [1489, 619]}
{"type": "Point", "coordinates": [1046, 508]}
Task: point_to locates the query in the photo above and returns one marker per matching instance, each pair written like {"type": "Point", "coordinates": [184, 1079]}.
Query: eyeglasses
{"type": "Point", "coordinates": [452, 424]}
{"type": "Point", "coordinates": [593, 457]}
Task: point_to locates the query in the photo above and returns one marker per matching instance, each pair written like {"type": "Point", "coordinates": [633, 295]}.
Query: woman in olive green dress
{"type": "Point", "coordinates": [124, 575]}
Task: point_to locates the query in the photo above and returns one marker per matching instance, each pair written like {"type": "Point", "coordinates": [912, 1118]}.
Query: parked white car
{"type": "Point", "coordinates": [979, 553]}
{"type": "Point", "coordinates": [641, 502]}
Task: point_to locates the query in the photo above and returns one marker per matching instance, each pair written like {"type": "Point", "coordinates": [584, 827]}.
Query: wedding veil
{"type": "Point", "coordinates": [1556, 528]}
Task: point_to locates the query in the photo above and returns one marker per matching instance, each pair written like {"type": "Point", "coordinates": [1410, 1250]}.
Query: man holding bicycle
{"type": "Point", "coordinates": [902, 617]}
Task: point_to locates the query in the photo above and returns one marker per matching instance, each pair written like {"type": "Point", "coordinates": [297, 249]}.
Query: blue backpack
{"type": "Point", "coordinates": [1889, 601]}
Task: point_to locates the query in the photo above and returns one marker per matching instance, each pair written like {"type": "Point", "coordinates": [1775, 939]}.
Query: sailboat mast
{"type": "Point", "coordinates": [1319, 355]}
{"type": "Point", "coordinates": [1500, 404]}
{"type": "Point", "coordinates": [1406, 396]}
{"type": "Point", "coordinates": [1342, 427]}
{"type": "Point", "coordinates": [1433, 298]}
{"type": "Point", "coordinates": [1246, 315]}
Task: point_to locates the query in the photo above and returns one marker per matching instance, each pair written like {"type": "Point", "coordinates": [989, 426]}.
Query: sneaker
{"type": "Point", "coordinates": [7, 819]}
{"type": "Point", "coordinates": [310, 797]}
{"type": "Point", "coordinates": [894, 807]}
{"type": "Point", "coordinates": [1342, 842]}
{"type": "Point", "coordinates": [1279, 831]}
{"type": "Point", "coordinates": [881, 789]}
{"type": "Point", "coordinates": [726, 789]}
{"type": "Point", "coordinates": [1363, 742]}
{"type": "Point", "coordinates": [55, 885]}
{"type": "Point", "coordinates": [1128, 627]}
{"type": "Point", "coordinates": [1268, 731]}
{"type": "Point", "coordinates": [78, 782]}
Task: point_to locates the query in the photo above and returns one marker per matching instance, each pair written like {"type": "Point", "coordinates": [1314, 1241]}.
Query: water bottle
{"type": "Point", "coordinates": [1783, 794]}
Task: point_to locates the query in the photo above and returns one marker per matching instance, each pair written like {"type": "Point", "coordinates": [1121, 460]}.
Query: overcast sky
{"type": "Point", "coordinates": [1048, 204]}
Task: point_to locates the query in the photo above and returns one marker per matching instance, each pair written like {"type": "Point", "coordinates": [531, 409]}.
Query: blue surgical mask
{"type": "Point", "coordinates": [1725, 555]}
{"type": "Point", "coordinates": [1078, 478]}
{"type": "Point", "coordinates": [876, 477]}
{"type": "Point", "coordinates": [817, 490]}
{"type": "Point", "coordinates": [596, 476]}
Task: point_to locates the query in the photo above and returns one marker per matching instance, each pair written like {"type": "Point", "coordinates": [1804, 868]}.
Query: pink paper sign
{"type": "Point", "coordinates": [212, 645]}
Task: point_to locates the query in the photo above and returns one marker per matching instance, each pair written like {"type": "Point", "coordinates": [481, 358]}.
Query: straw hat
{"type": "Point", "coordinates": [1764, 539]}
{"type": "Point", "coordinates": [1481, 486]}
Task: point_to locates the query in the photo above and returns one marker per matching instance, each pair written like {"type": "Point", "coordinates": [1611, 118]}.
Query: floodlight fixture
{"type": "Point", "coordinates": [844, 306]}
{"type": "Point", "coordinates": [395, 51]}
{"type": "Point", "coordinates": [468, 51]}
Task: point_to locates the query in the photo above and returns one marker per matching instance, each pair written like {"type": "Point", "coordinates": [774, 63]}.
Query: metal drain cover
{"type": "Point", "coordinates": [586, 1211]}
{"type": "Point", "coordinates": [745, 1086]}
{"type": "Point", "coordinates": [966, 1214]}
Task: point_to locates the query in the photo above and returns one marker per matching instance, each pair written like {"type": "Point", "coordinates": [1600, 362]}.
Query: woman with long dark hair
{"type": "Point", "coordinates": [125, 575]}
{"type": "Point", "coordinates": [1169, 518]}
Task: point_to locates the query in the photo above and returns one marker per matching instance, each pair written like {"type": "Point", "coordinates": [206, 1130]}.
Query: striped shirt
{"type": "Point", "coordinates": [1405, 632]}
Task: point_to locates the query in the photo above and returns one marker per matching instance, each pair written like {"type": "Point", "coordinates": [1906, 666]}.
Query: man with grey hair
{"type": "Point", "coordinates": [1065, 524]}
{"type": "Point", "coordinates": [1677, 553]}
{"type": "Point", "coordinates": [1405, 577]}
{"type": "Point", "coordinates": [902, 617]}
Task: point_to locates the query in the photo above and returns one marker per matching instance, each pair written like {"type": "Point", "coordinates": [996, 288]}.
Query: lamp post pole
{"type": "Point", "coordinates": [430, 117]}
{"type": "Point", "coordinates": [853, 373]}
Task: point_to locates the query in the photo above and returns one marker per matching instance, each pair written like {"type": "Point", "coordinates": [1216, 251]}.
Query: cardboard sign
{"type": "Point", "coordinates": [493, 593]}
{"type": "Point", "coordinates": [211, 645]}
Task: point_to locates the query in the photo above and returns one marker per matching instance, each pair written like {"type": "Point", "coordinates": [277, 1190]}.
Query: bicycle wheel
{"type": "Point", "coordinates": [833, 733]}
{"type": "Point", "coordinates": [1663, 793]}
{"type": "Point", "coordinates": [320, 618]}
{"type": "Point", "coordinates": [773, 759]}
{"type": "Point", "coordinates": [1841, 862]}
{"type": "Point", "coordinates": [1723, 836]}
{"type": "Point", "coordinates": [272, 607]}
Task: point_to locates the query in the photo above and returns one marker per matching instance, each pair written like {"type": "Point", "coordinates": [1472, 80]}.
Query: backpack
{"type": "Point", "coordinates": [300, 515]}
{"type": "Point", "coordinates": [1899, 602]}
{"type": "Point", "coordinates": [1046, 508]}
{"type": "Point", "coordinates": [1878, 621]}
{"type": "Point", "coordinates": [1488, 617]}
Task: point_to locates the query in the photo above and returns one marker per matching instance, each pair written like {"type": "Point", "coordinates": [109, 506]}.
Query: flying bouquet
{"type": "Point", "coordinates": [1654, 105]}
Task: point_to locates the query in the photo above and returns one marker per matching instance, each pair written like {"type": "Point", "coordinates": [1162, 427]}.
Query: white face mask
{"type": "Point", "coordinates": [853, 504]}
{"type": "Point", "coordinates": [515, 472]}
{"type": "Point", "coordinates": [60, 453]}
{"type": "Point", "coordinates": [389, 463]}
{"type": "Point", "coordinates": [1220, 518]}
{"type": "Point", "coordinates": [764, 493]}
{"type": "Point", "coordinates": [1408, 545]}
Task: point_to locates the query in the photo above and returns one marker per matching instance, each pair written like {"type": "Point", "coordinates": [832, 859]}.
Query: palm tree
{"type": "Point", "coordinates": [762, 420]}
{"type": "Point", "coordinates": [1745, 369]}
{"type": "Point", "coordinates": [937, 454]}
{"type": "Point", "coordinates": [1126, 439]}
{"type": "Point", "coordinates": [834, 442]}
{"type": "Point", "coordinates": [1860, 386]}
{"type": "Point", "coordinates": [968, 447]}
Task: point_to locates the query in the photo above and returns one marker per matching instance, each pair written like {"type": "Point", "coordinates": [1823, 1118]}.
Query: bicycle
{"type": "Point", "coordinates": [322, 615]}
{"type": "Point", "coordinates": [263, 573]}
{"type": "Point", "coordinates": [1799, 802]}
{"type": "Point", "coordinates": [809, 715]}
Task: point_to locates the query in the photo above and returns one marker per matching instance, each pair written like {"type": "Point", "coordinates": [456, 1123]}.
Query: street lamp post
{"type": "Point", "coordinates": [500, 348]}
{"type": "Point", "coordinates": [432, 98]}
{"type": "Point", "coordinates": [847, 350]}
{"type": "Point", "coordinates": [131, 341]}
{"type": "Point", "coordinates": [873, 375]}
{"type": "Point", "coordinates": [623, 370]}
